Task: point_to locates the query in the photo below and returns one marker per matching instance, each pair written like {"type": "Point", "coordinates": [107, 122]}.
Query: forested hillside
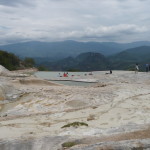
{"type": "Point", "coordinates": [127, 59]}
{"type": "Point", "coordinates": [84, 62]}
{"type": "Point", "coordinates": [12, 62]}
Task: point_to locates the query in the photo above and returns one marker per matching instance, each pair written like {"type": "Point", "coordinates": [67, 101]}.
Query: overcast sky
{"type": "Point", "coordinates": [80, 20]}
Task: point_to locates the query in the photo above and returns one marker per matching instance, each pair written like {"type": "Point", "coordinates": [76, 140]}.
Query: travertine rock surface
{"type": "Point", "coordinates": [116, 109]}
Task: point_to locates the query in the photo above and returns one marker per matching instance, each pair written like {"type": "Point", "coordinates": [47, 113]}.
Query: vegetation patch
{"type": "Point", "coordinates": [13, 62]}
{"type": "Point", "coordinates": [69, 144]}
{"type": "Point", "coordinates": [75, 124]}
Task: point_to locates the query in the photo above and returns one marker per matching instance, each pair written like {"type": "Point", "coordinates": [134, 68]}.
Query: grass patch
{"type": "Point", "coordinates": [69, 144]}
{"type": "Point", "coordinates": [75, 124]}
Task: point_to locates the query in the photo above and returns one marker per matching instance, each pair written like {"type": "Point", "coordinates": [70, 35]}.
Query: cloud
{"type": "Point", "coordinates": [53, 20]}
{"type": "Point", "coordinates": [105, 33]}
{"type": "Point", "coordinates": [14, 2]}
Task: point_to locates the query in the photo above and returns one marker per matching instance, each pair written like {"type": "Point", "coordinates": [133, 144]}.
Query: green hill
{"type": "Point", "coordinates": [9, 60]}
{"type": "Point", "coordinates": [12, 62]}
{"type": "Point", "coordinates": [127, 59]}
{"type": "Point", "coordinates": [92, 61]}
{"type": "Point", "coordinates": [84, 62]}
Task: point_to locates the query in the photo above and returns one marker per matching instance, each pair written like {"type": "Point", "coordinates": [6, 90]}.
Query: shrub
{"type": "Point", "coordinates": [75, 124]}
{"type": "Point", "coordinates": [68, 144]}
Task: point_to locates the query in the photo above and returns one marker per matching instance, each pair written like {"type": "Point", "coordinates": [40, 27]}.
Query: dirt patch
{"type": "Point", "coordinates": [2, 95]}
{"type": "Point", "coordinates": [46, 124]}
{"type": "Point", "coordinates": [1, 107]}
{"type": "Point", "coordinates": [91, 117]}
{"type": "Point", "coordinates": [2, 98]}
{"type": "Point", "coordinates": [100, 85]}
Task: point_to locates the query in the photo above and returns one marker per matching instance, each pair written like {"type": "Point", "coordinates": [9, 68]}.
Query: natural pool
{"type": "Point", "coordinates": [55, 77]}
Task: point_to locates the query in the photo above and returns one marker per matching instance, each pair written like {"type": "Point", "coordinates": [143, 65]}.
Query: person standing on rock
{"type": "Point", "coordinates": [110, 71]}
{"type": "Point", "coordinates": [147, 67]}
{"type": "Point", "coordinates": [136, 68]}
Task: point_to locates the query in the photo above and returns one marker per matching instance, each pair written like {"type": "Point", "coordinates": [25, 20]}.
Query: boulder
{"type": "Point", "coordinates": [3, 71]}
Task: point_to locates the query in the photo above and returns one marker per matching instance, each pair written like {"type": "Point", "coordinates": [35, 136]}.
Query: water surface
{"type": "Point", "coordinates": [57, 77]}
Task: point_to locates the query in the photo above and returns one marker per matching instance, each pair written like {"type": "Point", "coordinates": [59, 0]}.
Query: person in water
{"type": "Point", "coordinates": [59, 75]}
{"type": "Point", "coordinates": [65, 75]}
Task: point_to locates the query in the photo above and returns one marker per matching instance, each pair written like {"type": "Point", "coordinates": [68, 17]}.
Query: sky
{"type": "Point", "coordinates": [120, 21]}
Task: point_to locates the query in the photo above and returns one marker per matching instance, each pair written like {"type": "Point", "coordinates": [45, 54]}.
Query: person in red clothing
{"type": "Point", "coordinates": [65, 75]}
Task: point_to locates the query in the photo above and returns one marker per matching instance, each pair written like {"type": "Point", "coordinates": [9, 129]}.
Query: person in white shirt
{"type": "Point", "coordinates": [136, 68]}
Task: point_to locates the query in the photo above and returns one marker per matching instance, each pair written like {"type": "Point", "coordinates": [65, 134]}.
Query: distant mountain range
{"type": "Point", "coordinates": [57, 50]}
{"type": "Point", "coordinates": [83, 56]}
{"type": "Point", "coordinates": [91, 61]}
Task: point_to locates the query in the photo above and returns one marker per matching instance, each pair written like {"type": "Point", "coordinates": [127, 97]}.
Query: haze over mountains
{"type": "Point", "coordinates": [59, 50]}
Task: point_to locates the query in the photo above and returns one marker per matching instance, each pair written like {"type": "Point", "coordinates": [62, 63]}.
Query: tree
{"type": "Point", "coordinates": [29, 62]}
{"type": "Point", "coordinates": [42, 68]}
{"type": "Point", "coordinates": [9, 60]}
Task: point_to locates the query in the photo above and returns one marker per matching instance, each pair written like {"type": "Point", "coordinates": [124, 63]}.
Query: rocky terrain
{"type": "Point", "coordinates": [36, 114]}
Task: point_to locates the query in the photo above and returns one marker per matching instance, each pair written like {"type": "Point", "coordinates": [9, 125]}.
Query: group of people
{"type": "Point", "coordinates": [66, 74]}
{"type": "Point", "coordinates": [147, 67]}
{"type": "Point", "coordinates": [110, 72]}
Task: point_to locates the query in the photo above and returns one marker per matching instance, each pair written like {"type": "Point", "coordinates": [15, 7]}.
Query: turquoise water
{"type": "Point", "coordinates": [55, 77]}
